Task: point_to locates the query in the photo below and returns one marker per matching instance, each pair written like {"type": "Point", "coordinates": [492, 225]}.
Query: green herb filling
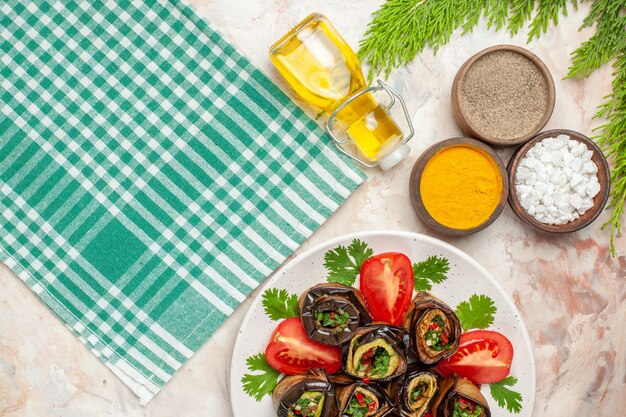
{"type": "Point", "coordinates": [338, 319]}
{"type": "Point", "coordinates": [420, 390]}
{"type": "Point", "coordinates": [360, 405]}
{"type": "Point", "coordinates": [308, 405]}
{"type": "Point", "coordinates": [375, 362]}
{"type": "Point", "coordinates": [466, 408]}
{"type": "Point", "coordinates": [436, 337]}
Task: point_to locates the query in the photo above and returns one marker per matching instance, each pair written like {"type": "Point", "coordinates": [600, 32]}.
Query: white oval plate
{"type": "Point", "coordinates": [465, 278]}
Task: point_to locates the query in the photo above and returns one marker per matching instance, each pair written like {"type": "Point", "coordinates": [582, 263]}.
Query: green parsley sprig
{"type": "Point", "coordinates": [477, 312]}
{"type": "Point", "coordinates": [279, 304]}
{"type": "Point", "coordinates": [344, 262]}
{"type": "Point", "coordinates": [506, 397]}
{"type": "Point", "coordinates": [263, 380]}
{"type": "Point", "coordinates": [433, 270]}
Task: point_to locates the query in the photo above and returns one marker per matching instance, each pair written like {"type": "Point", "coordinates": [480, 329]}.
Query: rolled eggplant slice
{"type": "Point", "coordinates": [339, 379]}
{"type": "Point", "coordinates": [414, 393]}
{"type": "Point", "coordinates": [309, 395]}
{"type": "Point", "coordinates": [376, 352]}
{"type": "Point", "coordinates": [459, 397]}
{"type": "Point", "coordinates": [332, 312]}
{"type": "Point", "coordinates": [433, 327]}
{"type": "Point", "coordinates": [364, 400]}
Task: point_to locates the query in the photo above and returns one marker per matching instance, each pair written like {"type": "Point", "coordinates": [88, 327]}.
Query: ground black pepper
{"type": "Point", "coordinates": [504, 95]}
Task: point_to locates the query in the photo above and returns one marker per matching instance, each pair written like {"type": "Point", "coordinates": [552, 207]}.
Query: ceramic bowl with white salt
{"type": "Point", "coordinates": [559, 181]}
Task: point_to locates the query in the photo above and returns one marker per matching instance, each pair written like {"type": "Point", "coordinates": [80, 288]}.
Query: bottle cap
{"type": "Point", "coordinates": [394, 157]}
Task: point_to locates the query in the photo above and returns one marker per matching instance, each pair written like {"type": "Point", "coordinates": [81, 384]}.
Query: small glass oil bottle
{"type": "Point", "coordinates": [322, 68]}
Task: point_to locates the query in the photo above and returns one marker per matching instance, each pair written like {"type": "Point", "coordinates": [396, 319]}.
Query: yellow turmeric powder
{"type": "Point", "coordinates": [461, 187]}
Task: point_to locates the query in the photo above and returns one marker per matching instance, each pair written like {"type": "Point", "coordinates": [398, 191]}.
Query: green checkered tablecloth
{"type": "Point", "coordinates": [150, 176]}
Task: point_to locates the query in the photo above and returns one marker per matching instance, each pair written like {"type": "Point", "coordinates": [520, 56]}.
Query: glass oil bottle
{"type": "Point", "coordinates": [322, 68]}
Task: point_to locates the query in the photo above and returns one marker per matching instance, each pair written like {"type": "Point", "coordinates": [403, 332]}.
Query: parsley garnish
{"type": "Point", "coordinates": [506, 397]}
{"type": "Point", "coordinates": [476, 313]}
{"type": "Point", "coordinates": [344, 262]}
{"type": "Point", "coordinates": [434, 269]}
{"type": "Point", "coordinates": [259, 384]}
{"type": "Point", "coordinates": [279, 304]}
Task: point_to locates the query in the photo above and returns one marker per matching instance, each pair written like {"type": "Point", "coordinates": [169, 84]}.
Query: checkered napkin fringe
{"type": "Point", "coordinates": [150, 176]}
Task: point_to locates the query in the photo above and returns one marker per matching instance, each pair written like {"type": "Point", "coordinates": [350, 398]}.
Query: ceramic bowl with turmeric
{"type": "Point", "coordinates": [459, 186]}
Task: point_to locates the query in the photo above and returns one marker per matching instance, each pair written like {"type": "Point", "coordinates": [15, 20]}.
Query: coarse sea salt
{"type": "Point", "coordinates": [556, 180]}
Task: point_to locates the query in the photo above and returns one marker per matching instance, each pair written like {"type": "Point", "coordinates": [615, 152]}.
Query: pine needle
{"type": "Point", "coordinates": [520, 14]}
{"type": "Point", "coordinates": [548, 11]}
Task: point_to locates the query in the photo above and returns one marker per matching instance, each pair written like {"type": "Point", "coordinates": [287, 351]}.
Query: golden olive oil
{"type": "Point", "coordinates": [322, 68]}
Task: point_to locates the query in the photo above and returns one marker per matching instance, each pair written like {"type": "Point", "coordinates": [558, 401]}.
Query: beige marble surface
{"type": "Point", "coordinates": [571, 293]}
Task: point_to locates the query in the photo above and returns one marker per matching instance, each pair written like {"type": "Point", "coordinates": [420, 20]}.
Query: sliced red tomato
{"type": "Point", "coordinates": [387, 285]}
{"type": "Point", "coordinates": [484, 356]}
{"type": "Point", "coordinates": [291, 351]}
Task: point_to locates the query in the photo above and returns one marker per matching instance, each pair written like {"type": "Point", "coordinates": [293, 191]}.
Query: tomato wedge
{"type": "Point", "coordinates": [387, 285]}
{"type": "Point", "coordinates": [291, 351]}
{"type": "Point", "coordinates": [484, 356]}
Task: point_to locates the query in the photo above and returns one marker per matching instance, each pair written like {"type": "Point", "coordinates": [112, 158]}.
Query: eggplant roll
{"type": "Point", "coordinates": [331, 313]}
{"type": "Point", "coordinates": [376, 352]}
{"type": "Point", "coordinates": [459, 397]}
{"type": "Point", "coordinates": [339, 379]}
{"type": "Point", "coordinates": [362, 400]}
{"type": "Point", "coordinates": [414, 393]}
{"type": "Point", "coordinates": [309, 395]}
{"type": "Point", "coordinates": [433, 327]}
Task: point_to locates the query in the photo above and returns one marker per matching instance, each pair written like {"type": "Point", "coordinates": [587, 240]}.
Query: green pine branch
{"type": "Point", "coordinates": [548, 12]}
{"type": "Point", "coordinates": [521, 11]}
{"type": "Point", "coordinates": [606, 45]}
{"type": "Point", "coordinates": [608, 41]}
{"type": "Point", "coordinates": [401, 29]}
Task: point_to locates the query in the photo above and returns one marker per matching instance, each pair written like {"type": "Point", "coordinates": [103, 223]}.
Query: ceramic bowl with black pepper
{"type": "Point", "coordinates": [503, 95]}
{"type": "Point", "coordinates": [559, 181]}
